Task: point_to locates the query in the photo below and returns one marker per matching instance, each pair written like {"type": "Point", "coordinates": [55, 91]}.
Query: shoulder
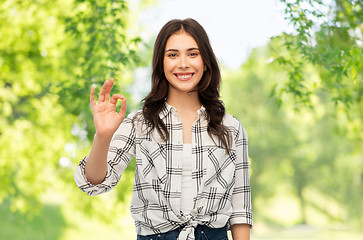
{"type": "Point", "coordinates": [231, 121]}
{"type": "Point", "coordinates": [136, 115]}
{"type": "Point", "coordinates": [132, 118]}
{"type": "Point", "coordinates": [234, 125]}
{"type": "Point", "coordinates": [136, 121]}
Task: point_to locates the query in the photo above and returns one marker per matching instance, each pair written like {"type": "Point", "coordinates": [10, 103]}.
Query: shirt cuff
{"type": "Point", "coordinates": [87, 187]}
{"type": "Point", "coordinates": [241, 218]}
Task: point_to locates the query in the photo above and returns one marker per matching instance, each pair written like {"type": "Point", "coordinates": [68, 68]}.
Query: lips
{"type": "Point", "coordinates": [184, 76]}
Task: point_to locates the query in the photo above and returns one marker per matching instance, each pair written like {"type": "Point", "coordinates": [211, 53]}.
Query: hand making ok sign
{"type": "Point", "coordinates": [105, 117]}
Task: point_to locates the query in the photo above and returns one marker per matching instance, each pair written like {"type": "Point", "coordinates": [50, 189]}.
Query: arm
{"type": "Point", "coordinates": [106, 121]}
{"type": "Point", "coordinates": [96, 165]}
{"type": "Point", "coordinates": [240, 231]}
{"type": "Point", "coordinates": [93, 169]}
{"type": "Point", "coordinates": [241, 218]}
{"type": "Point", "coordinates": [121, 150]}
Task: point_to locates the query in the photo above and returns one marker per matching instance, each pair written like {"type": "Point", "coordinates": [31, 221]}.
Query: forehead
{"type": "Point", "coordinates": [181, 41]}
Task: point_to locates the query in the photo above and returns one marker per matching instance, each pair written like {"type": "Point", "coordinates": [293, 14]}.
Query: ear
{"type": "Point", "coordinates": [205, 68]}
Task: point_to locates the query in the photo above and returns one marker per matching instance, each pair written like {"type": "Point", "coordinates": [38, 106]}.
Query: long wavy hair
{"type": "Point", "coordinates": [208, 87]}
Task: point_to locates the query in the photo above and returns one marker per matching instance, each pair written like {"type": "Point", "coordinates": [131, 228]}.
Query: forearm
{"type": "Point", "coordinates": [96, 165]}
{"type": "Point", "coordinates": [240, 231]}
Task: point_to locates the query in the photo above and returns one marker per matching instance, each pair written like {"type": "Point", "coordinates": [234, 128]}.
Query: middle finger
{"type": "Point", "coordinates": [101, 96]}
{"type": "Point", "coordinates": [108, 89]}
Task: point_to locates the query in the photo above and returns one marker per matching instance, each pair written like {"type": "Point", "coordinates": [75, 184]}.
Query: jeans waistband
{"type": "Point", "coordinates": [200, 232]}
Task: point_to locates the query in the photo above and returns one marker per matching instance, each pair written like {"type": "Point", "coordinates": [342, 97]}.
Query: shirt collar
{"type": "Point", "coordinates": [166, 109]}
{"type": "Point", "coordinates": [202, 112]}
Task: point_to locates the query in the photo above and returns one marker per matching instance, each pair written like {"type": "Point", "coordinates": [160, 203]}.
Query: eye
{"type": "Point", "coordinates": [193, 54]}
{"type": "Point", "coordinates": [172, 55]}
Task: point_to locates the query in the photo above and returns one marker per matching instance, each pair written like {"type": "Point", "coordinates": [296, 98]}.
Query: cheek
{"type": "Point", "coordinates": [167, 66]}
{"type": "Point", "coordinates": [201, 66]}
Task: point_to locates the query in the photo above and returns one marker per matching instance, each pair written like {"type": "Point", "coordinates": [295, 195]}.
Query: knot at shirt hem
{"type": "Point", "coordinates": [189, 222]}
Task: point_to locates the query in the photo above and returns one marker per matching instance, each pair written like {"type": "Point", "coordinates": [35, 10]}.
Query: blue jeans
{"type": "Point", "coordinates": [201, 232]}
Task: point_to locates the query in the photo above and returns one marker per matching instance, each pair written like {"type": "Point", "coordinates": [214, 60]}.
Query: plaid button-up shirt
{"type": "Point", "coordinates": [222, 180]}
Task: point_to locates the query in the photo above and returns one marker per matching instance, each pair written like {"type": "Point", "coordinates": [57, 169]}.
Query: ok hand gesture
{"type": "Point", "coordinates": [105, 117]}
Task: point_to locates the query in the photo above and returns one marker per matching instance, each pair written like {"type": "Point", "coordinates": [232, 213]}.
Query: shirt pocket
{"type": "Point", "coordinates": [152, 158]}
{"type": "Point", "coordinates": [220, 168]}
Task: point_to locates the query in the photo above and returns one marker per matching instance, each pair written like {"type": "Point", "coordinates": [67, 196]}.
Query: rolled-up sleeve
{"type": "Point", "coordinates": [120, 153]}
{"type": "Point", "coordinates": [241, 197]}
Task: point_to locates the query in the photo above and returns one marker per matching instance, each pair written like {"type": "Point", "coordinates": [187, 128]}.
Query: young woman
{"type": "Point", "coordinates": [192, 169]}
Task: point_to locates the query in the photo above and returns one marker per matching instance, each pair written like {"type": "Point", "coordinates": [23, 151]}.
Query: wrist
{"type": "Point", "coordinates": [104, 137]}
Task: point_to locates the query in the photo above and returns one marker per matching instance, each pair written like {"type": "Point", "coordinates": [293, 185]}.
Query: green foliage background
{"type": "Point", "coordinates": [299, 97]}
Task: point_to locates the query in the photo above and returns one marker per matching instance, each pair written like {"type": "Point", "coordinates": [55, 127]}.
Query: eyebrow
{"type": "Point", "coordinates": [176, 50]}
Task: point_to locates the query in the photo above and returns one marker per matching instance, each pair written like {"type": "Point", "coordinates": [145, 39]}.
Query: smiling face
{"type": "Point", "coordinates": [183, 64]}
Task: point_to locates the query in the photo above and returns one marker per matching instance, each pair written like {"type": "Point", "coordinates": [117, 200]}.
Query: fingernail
{"type": "Point", "coordinates": [93, 85]}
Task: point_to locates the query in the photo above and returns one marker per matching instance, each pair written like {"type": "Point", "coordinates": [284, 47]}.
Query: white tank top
{"type": "Point", "coordinates": [188, 188]}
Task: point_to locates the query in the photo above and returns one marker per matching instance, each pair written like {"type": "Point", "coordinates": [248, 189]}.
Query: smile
{"type": "Point", "coordinates": [184, 76]}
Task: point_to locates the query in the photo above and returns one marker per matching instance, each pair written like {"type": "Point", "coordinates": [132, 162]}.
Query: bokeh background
{"type": "Point", "coordinates": [292, 73]}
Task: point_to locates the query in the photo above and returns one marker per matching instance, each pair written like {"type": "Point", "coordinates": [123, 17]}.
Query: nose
{"type": "Point", "coordinates": [183, 62]}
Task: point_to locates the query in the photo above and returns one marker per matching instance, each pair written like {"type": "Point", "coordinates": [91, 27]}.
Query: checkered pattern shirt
{"type": "Point", "coordinates": [222, 180]}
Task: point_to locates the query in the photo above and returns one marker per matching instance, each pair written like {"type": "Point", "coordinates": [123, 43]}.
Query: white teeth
{"type": "Point", "coordinates": [184, 76]}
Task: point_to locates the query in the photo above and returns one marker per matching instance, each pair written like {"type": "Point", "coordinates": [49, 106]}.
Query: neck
{"type": "Point", "coordinates": [184, 101]}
